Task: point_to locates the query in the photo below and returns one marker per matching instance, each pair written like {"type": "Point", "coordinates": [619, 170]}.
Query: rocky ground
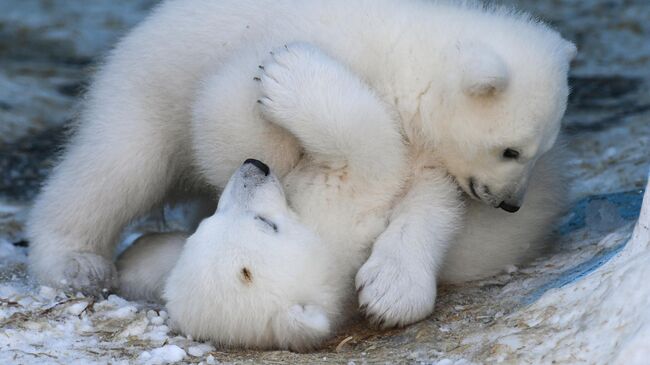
{"type": "Point", "coordinates": [567, 307]}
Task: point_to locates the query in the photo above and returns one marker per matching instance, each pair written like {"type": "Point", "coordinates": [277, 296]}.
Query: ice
{"type": "Point", "coordinates": [602, 318]}
{"type": "Point", "coordinates": [47, 293]}
{"type": "Point", "coordinates": [603, 216]}
{"type": "Point", "coordinates": [117, 308]}
{"type": "Point", "coordinates": [157, 321]}
{"type": "Point", "coordinates": [135, 328]}
{"type": "Point", "coordinates": [167, 354]}
{"type": "Point", "coordinates": [123, 312]}
{"type": "Point", "coordinates": [157, 334]}
{"type": "Point", "coordinates": [77, 308]}
{"type": "Point", "coordinates": [200, 350]}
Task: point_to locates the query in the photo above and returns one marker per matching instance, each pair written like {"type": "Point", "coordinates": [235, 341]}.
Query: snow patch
{"type": "Point", "coordinates": [200, 350]}
{"type": "Point", "coordinates": [167, 354]}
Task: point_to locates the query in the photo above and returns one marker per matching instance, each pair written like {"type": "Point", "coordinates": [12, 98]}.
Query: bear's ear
{"type": "Point", "coordinates": [570, 50]}
{"type": "Point", "coordinates": [484, 71]}
{"type": "Point", "coordinates": [302, 327]}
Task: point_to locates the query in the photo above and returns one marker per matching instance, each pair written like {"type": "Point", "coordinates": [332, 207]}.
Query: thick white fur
{"type": "Point", "coordinates": [239, 283]}
{"type": "Point", "coordinates": [344, 190]}
{"type": "Point", "coordinates": [297, 288]}
{"type": "Point", "coordinates": [460, 83]}
{"type": "Point", "coordinates": [144, 270]}
{"type": "Point", "coordinates": [491, 239]}
{"type": "Point", "coordinates": [253, 275]}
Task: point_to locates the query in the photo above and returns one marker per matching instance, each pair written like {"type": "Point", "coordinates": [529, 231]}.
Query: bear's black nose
{"type": "Point", "coordinates": [259, 164]}
{"type": "Point", "coordinates": [508, 207]}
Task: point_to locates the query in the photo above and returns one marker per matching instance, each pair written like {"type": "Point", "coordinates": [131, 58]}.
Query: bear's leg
{"type": "Point", "coordinates": [144, 267]}
{"type": "Point", "coordinates": [330, 110]}
{"type": "Point", "coordinates": [397, 284]}
{"type": "Point", "coordinates": [228, 128]}
{"type": "Point", "coordinates": [109, 175]}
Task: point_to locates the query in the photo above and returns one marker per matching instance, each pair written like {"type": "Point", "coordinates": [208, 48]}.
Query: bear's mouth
{"type": "Point", "coordinates": [472, 188]}
{"type": "Point", "coordinates": [504, 205]}
{"type": "Point", "coordinates": [485, 195]}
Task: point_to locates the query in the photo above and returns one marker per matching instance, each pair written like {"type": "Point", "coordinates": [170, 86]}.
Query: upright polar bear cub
{"type": "Point", "coordinates": [476, 93]}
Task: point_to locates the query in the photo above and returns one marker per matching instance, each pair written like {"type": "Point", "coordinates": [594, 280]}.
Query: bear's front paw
{"type": "Point", "coordinates": [290, 81]}
{"type": "Point", "coordinates": [83, 271]}
{"type": "Point", "coordinates": [393, 292]}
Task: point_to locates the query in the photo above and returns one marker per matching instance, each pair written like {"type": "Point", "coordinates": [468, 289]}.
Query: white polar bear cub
{"type": "Point", "coordinates": [473, 92]}
{"type": "Point", "coordinates": [252, 275]}
{"type": "Point", "coordinates": [243, 279]}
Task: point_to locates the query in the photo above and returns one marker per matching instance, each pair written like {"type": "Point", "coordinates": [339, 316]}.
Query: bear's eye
{"type": "Point", "coordinates": [510, 154]}
{"type": "Point", "coordinates": [268, 222]}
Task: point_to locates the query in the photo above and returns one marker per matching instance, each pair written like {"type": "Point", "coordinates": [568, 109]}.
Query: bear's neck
{"type": "Point", "coordinates": [412, 76]}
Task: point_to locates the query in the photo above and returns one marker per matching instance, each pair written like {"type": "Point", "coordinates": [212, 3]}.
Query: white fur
{"type": "Point", "coordinates": [295, 288]}
{"type": "Point", "coordinates": [342, 189]}
{"type": "Point", "coordinates": [254, 276]}
{"type": "Point", "coordinates": [239, 283]}
{"type": "Point", "coordinates": [143, 269]}
{"type": "Point", "coordinates": [175, 104]}
{"type": "Point", "coordinates": [490, 239]}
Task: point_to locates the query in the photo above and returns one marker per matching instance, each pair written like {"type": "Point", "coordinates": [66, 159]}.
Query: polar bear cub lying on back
{"type": "Point", "coordinates": [252, 275]}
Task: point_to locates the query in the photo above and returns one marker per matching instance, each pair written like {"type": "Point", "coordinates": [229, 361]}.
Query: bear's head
{"type": "Point", "coordinates": [252, 275]}
{"type": "Point", "coordinates": [494, 118]}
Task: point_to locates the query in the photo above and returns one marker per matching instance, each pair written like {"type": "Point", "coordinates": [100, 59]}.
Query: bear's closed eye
{"type": "Point", "coordinates": [272, 225]}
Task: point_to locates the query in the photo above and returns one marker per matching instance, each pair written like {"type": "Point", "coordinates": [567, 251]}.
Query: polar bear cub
{"type": "Point", "coordinates": [253, 275]}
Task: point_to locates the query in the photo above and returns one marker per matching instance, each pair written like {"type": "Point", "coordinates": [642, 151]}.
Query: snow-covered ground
{"type": "Point", "coordinates": [584, 302]}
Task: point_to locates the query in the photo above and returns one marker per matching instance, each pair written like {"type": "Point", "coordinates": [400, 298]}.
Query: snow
{"type": "Point", "coordinates": [47, 293]}
{"type": "Point", "coordinates": [200, 350]}
{"type": "Point", "coordinates": [77, 308]}
{"type": "Point", "coordinates": [602, 215]}
{"type": "Point", "coordinates": [602, 318]}
{"type": "Point", "coordinates": [210, 360]}
{"type": "Point", "coordinates": [47, 326]}
{"type": "Point", "coordinates": [163, 355]}
{"type": "Point", "coordinates": [578, 314]}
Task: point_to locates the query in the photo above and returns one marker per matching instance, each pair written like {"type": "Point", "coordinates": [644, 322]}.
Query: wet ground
{"type": "Point", "coordinates": [47, 52]}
